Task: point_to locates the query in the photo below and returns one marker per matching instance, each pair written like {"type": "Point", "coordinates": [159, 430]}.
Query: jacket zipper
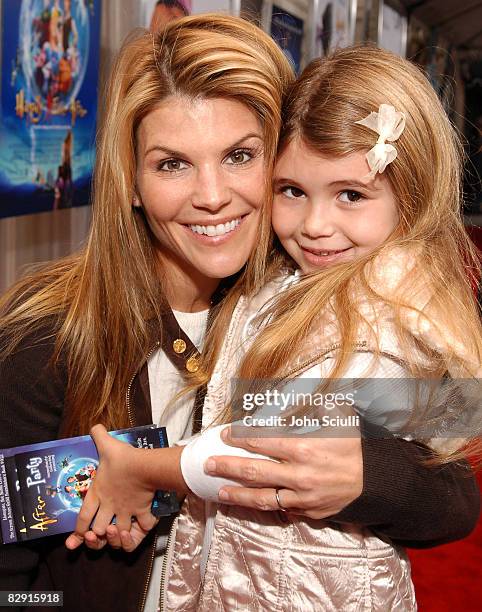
{"type": "Point", "coordinates": [213, 530]}
{"type": "Point", "coordinates": [170, 539]}
{"type": "Point", "coordinates": [132, 424]}
{"type": "Point", "coordinates": [315, 358]}
{"type": "Point", "coordinates": [129, 386]}
{"type": "Point", "coordinates": [169, 544]}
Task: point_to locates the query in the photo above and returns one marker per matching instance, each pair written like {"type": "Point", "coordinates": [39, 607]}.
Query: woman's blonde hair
{"type": "Point", "coordinates": [98, 302]}
{"type": "Point", "coordinates": [321, 112]}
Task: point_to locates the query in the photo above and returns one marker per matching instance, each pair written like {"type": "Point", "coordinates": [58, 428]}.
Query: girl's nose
{"type": "Point", "coordinates": [318, 222]}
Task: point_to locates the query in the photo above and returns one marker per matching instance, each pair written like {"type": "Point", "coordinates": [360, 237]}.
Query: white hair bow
{"type": "Point", "coordinates": [389, 124]}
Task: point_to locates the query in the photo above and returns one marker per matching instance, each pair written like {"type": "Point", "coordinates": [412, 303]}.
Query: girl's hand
{"type": "Point", "coordinates": [317, 477]}
{"type": "Point", "coordinates": [127, 540]}
{"type": "Point", "coordinates": [118, 489]}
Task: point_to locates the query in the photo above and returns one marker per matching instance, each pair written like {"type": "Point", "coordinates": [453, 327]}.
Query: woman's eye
{"type": "Point", "coordinates": [350, 197]}
{"type": "Point", "coordinates": [240, 156]}
{"type": "Point", "coordinates": [172, 165]}
{"type": "Point", "coordinates": [292, 192]}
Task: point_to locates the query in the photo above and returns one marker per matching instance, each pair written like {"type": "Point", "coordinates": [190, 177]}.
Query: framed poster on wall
{"type": "Point", "coordinates": [287, 30]}
{"type": "Point", "coordinates": [48, 103]}
{"type": "Point", "coordinates": [392, 28]}
{"type": "Point", "coordinates": [332, 25]}
{"type": "Point", "coordinates": [155, 13]}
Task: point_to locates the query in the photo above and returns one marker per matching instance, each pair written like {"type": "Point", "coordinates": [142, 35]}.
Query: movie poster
{"type": "Point", "coordinates": [334, 27]}
{"type": "Point", "coordinates": [393, 31]}
{"type": "Point", "coordinates": [48, 106]}
{"type": "Point", "coordinates": [287, 31]}
{"type": "Point", "coordinates": [156, 13]}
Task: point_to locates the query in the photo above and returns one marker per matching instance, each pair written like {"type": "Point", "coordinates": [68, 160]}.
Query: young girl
{"type": "Point", "coordinates": [367, 209]}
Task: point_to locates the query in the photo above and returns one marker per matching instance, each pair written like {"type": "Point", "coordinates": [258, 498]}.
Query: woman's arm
{"type": "Point", "coordinates": [377, 481]}
{"type": "Point", "coordinates": [401, 498]}
{"type": "Point", "coordinates": [393, 494]}
{"type": "Point", "coordinates": [413, 504]}
{"type": "Point", "coordinates": [380, 481]}
{"type": "Point", "coordinates": [31, 405]}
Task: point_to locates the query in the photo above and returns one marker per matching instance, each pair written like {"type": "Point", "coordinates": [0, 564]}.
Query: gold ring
{"type": "Point", "coordinates": [280, 506]}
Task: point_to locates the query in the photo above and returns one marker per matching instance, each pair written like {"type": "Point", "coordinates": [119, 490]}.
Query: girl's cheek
{"type": "Point", "coordinates": [279, 219]}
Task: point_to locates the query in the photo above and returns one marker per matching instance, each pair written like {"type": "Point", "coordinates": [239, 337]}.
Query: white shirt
{"type": "Point", "coordinates": [165, 382]}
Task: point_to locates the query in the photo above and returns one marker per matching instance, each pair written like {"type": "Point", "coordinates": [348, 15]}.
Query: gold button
{"type": "Point", "coordinates": [179, 346]}
{"type": "Point", "coordinates": [192, 364]}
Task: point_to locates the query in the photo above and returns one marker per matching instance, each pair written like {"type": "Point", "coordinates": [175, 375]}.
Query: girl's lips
{"type": "Point", "coordinates": [320, 259]}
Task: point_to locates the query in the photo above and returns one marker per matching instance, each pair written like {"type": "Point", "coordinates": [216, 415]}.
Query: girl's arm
{"type": "Point", "coordinates": [127, 478]}
{"type": "Point", "coordinates": [124, 486]}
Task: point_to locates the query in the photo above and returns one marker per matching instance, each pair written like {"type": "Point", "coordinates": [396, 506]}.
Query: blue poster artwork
{"type": "Point", "coordinates": [48, 108]}
{"type": "Point", "coordinates": [287, 31]}
{"type": "Point", "coordinates": [42, 486]}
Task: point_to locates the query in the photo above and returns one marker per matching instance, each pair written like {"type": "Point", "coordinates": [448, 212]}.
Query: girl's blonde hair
{"type": "Point", "coordinates": [321, 112]}
{"type": "Point", "coordinates": [99, 301]}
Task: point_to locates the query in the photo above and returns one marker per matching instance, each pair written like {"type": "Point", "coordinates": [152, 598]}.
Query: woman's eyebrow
{"type": "Point", "coordinates": [165, 150]}
{"type": "Point", "coordinates": [174, 153]}
{"type": "Point", "coordinates": [241, 141]}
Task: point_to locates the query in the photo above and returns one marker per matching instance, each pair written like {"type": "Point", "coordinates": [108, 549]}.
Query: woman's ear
{"type": "Point", "coordinates": [136, 202]}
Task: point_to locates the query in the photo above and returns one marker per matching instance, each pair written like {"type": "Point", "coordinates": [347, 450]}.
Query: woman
{"type": "Point", "coordinates": [189, 138]}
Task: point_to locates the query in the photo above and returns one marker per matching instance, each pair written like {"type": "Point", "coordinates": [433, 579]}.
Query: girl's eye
{"type": "Point", "coordinates": [292, 192]}
{"type": "Point", "coordinates": [240, 156]}
{"type": "Point", "coordinates": [350, 197]}
{"type": "Point", "coordinates": [172, 165]}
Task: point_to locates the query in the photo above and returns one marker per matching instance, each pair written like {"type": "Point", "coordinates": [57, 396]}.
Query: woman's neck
{"type": "Point", "coordinates": [193, 303]}
{"type": "Point", "coordinates": [188, 292]}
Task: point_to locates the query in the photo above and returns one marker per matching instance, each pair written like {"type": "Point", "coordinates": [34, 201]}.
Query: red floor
{"type": "Point", "coordinates": [449, 578]}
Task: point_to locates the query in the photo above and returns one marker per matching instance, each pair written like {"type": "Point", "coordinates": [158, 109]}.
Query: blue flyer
{"type": "Point", "coordinates": [42, 486]}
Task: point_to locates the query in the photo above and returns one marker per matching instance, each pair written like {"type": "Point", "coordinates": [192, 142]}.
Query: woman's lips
{"type": "Point", "coordinates": [207, 239]}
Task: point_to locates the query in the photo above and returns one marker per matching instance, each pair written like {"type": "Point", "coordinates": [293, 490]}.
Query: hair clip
{"type": "Point", "coordinates": [388, 123]}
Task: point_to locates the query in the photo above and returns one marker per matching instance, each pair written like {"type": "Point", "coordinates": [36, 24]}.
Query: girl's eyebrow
{"type": "Point", "coordinates": [280, 179]}
{"type": "Point", "coordinates": [354, 182]}
{"type": "Point", "coordinates": [280, 182]}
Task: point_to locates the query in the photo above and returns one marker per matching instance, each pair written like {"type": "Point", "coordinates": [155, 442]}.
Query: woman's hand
{"type": "Point", "coordinates": [119, 489]}
{"type": "Point", "coordinates": [316, 477]}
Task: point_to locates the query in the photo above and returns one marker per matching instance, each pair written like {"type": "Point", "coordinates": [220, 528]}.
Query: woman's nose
{"type": "Point", "coordinates": [211, 190]}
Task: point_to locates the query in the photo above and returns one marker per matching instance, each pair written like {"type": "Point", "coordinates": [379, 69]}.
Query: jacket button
{"type": "Point", "coordinates": [179, 346]}
{"type": "Point", "coordinates": [192, 364]}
